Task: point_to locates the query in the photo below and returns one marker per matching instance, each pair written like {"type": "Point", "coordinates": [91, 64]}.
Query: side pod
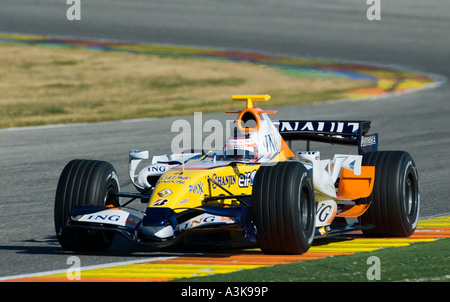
{"type": "Point", "coordinates": [353, 186]}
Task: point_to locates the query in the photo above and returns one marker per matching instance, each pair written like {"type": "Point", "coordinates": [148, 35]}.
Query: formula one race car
{"type": "Point", "coordinates": [256, 190]}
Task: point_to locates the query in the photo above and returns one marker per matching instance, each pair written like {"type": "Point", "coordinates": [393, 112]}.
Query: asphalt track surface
{"type": "Point", "coordinates": [411, 34]}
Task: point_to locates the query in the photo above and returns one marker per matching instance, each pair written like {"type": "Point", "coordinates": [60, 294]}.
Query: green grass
{"type": "Point", "coordinates": [418, 262]}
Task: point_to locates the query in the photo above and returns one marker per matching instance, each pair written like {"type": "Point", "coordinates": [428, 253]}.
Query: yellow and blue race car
{"type": "Point", "coordinates": [255, 190]}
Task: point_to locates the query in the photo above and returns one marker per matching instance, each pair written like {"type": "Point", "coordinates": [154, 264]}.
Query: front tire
{"type": "Point", "coordinates": [394, 211]}
{"type": "Point", "coordinates": [284, 208]}
{"type": "Point", "coordinates": [84, 182]}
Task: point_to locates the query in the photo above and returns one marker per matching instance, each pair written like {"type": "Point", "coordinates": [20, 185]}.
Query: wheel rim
{"type": "Point", "coordinates": [305, 208]}
{"type": "Point", "coordinates": [111, 196]}
{"type": "Point", "coordinates": [410, 194]}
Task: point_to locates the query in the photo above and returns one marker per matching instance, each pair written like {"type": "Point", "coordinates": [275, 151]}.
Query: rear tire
{"type": "Point", "coordinates": [84, 182]}
{"type": "Point", "coordinates": [395, 197]}
{"type": "Point", "coordinates": [284, 208]}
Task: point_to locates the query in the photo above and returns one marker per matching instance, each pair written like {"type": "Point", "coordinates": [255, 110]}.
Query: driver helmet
{"type": "Point", "coordinates": [240, 148]}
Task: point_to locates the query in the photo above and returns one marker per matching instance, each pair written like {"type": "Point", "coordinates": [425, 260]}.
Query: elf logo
{"type": "Point", "coordinates": [246, 179]}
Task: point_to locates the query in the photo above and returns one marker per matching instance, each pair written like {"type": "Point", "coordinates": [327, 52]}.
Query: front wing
{"type": "Point", "coordinates": [161, 227]}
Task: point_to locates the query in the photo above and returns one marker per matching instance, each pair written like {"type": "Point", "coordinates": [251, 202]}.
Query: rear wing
{"type": "Point", "coordinates": [333, 132]}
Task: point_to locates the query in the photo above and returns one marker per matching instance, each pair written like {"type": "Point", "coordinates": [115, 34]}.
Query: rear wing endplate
{"type": "Point", "coordinates": [333, 132]}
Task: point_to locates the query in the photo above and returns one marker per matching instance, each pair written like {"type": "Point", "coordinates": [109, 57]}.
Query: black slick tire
{"type": "Point", "coordinates": [84, 182]}
{"type": "Point", "coordinates": [283, 208]}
